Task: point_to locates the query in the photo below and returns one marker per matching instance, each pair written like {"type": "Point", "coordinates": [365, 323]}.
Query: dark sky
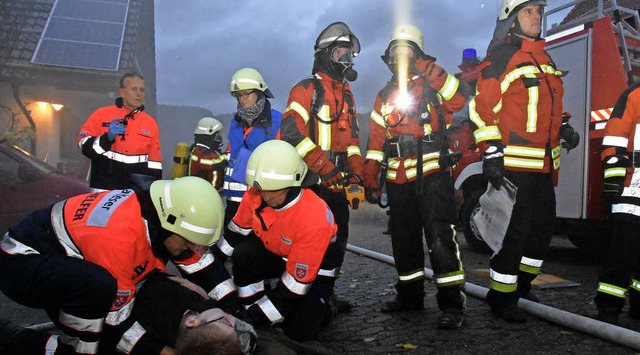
{"type": "Point", "coordinates": [201, 43]}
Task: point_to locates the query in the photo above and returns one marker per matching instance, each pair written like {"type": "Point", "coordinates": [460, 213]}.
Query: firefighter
{"type": "Point", "coordinates": [205, 158]}
{"type": "Point", "coordinates": [81, 260]}
{"type": "Point", "coordinates": [255, 122]}
{"type": "Point", "coordinates": [322, 123]}
{"type": "Point", "coordinates": [407, 125]}
{"type": "Point", "coordinates": [285, 231]}
{"type": "Point", "coordinates": [620, 275]}
{"type": "Point", "coordinates": [518, 112]}
{"type": "Point", "coordinates": [121, 139]}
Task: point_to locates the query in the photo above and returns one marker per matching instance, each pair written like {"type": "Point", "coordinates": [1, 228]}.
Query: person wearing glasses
{"type": "Point", "coordinates": [255, 122]}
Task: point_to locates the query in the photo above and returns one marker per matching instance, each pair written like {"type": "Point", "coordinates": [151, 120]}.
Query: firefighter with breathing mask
{"type": "Point", "coordinates": [407, 135]}
{"type": "Point", "coordinates": [205, 158]}
{"type": "Point", "coordinates": [322, 124]}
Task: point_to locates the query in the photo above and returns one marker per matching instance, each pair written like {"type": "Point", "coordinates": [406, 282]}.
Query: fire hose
{"type": "Point", "coordinates": [612, 333]}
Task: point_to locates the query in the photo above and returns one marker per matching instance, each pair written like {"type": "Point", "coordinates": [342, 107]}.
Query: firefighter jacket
{"type": "Point", "coordinates": [108, 229]}
{"type": "Point", "coordinates": [622, 138]}
{"type": "Point", "coordinates": [321, 122]}
{"type": "Point", "coordinates": [208, 164]}
{"type": "Point", "coordinates": [400, 129]}
{"type": "Point", "coordinates": [138, 151]}
{"type": "Point", "coordinates": [300, 232]}
{"type": "Point", "coordinates": [519, 102]}
{"type": "Point", "coordinates": [242, 141]}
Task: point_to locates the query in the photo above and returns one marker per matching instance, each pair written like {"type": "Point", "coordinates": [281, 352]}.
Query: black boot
{"type": "Point", "coordinates": [524, 286]}
{"type": "Point", "coordinates": [504, 306]}
{"type": "Point", "coordinates": [410, 297]}
{"type": "Point", "coordinates": [450, 320]}
{"type": "Point", "coordinates": [610, 317]}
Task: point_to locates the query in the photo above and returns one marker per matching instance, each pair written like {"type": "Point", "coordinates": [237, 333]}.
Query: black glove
{"type": "Point", "coordinates": [231, 305]}
{"type": "Point", "coordinates": [493, 164]}
{"type": "Point", "coordinates": [570, 137]}
{"type": "Point", "coordinates": [255, 317]}
{"type": "Point", "coordinates": [615, 169]}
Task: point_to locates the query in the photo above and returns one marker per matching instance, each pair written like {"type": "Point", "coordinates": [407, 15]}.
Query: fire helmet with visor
{"type": "Point", "coordinates": [275, 165]}
{"type": "Point", "coordinates": [249, 79]}
{"type": "Point", "coordinates": [510, 7]}
{"type": "Point", "coordinates": [405, 40]}
{"type": "Point", "coordinates": [335, 48]}
{"type": "Point", "coordinates": [189, 207]}
{"type": "Point", "coordinates": [506, 18]}
{"type": "Point", "coordinates": [208, 126]}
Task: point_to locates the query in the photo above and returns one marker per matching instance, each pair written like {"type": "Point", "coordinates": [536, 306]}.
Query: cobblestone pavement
{"type": "Point", "coordinates": [366, 283]}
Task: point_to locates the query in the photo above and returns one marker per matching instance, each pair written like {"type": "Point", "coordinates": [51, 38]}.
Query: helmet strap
{"type": "Point", "coordinates": [517, 30]}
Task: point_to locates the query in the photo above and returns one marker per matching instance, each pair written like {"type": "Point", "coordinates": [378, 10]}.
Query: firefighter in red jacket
{"type": "Point", "coordinates": [121, 139]}
{"type": "Point", "coordinates": [285, 231]}
{"type": "Point", "coordinates": [82, 259]}
{"type": "Point", "coordinates": [205, 158]}
{"type": "Point", "coordinates": [322, 124]}
{"type": "Point", "coordinates": [620, 275]}
{"type": "Point", "coordinates": [518, 111]}
{"type": "Point", "coordinates": [409, 120]}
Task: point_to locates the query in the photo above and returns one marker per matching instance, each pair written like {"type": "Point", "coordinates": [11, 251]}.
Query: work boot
{"type": "Point", "coordinates": [8, 332]}
{"type": "Point", "coordinates": [341, 305]}
{"type": "Point", "coordinates": [607, 317]}
{"type": "Point", "coordinates": [450, 320]}
{"type": "Point", "coordinates": [524, 286]}
{"type": "Point", "coordinates": [400, 305]}
{"type": "Point", "coordinates": [510, 313]}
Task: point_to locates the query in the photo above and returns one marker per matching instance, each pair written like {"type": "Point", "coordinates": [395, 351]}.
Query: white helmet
{"type": "Point", "coordinates": [275, 165]}
{"type": "Point", "coordinates": [208, 126]}
{"type": "Point", "coordinates": [508, 6]}
{"type": "Point", "coordinates": [409, 33]}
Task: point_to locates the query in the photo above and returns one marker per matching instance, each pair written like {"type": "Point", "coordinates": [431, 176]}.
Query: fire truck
{"type": "Point", "coordinates": [600, 48]}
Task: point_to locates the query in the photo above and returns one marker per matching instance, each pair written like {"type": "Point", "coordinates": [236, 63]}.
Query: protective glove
{"type": "Point", "coordinates": [355, 163]}
{"type": "Point", "coordinates": [422, 65]}
{"type": "Point", "coordinates": [493, 164]}
{"type": "Point", "coordinates": [372, 187]}
{"type": "Point", "coordinates": [115, 128]}
{"type": "Point", "coordinates": [255, 317]}
{"type": "Point", "coordinates": [615, 169]}
{"type": "Point", "coordinates": [334, 177]}
{"type": "Point", "coordinates": [570, 137]}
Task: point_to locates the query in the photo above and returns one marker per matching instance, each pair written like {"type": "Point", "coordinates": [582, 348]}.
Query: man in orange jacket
{"type": "Point", "coordinates": [518, 111]}
{"type": "Point", "coordinates": [82, 259]}
{"type": "Point", "coordinates": [407, 130]}
{"type": "Point", "coordinates": [121, 139]}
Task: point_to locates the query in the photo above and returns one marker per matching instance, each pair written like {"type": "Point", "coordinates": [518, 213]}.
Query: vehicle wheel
{"type": "Point", "coordinates": [469, 208]}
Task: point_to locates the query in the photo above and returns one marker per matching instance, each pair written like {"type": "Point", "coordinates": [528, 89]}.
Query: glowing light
{"type": "Point", "coordinates": [57, 107]}
{"type": "Point", "coordinates": [404, 101]}
{"type": "Point", "coordinates": [42, 104]}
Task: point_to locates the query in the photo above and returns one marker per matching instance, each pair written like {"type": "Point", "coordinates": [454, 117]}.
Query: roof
{"type": "Point", "coordinates": [21, 25]}
{"type": "Point", "coordinates": [589, 8]}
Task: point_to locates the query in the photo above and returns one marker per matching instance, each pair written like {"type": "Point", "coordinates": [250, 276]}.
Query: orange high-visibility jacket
{"type": "Point", "coordinates": [519, 102]}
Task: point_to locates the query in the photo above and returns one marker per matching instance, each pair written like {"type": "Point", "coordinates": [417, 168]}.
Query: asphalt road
{"type": "Point", "coordinates": [367, 283]}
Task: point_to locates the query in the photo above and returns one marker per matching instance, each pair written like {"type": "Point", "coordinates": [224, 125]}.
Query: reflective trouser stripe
{"type": "Point", "coordinates": [206, 260]}
{"type": "Point", "coordinates": [503, 282]}
{"type": "Point", "coordinates": [418, 275]}
{"type": "Point", "coordinates": [52, 345]}
{"type": "Point", "coordinates": [116, 317]}
{"type": "Point", "coordinates": [251, 289]}
{"type": "Point", "coordinates": [612, 290]}
{"type": "Point", "coordinates": [225, 247]}
{"type": "Point", "coordinates": [450, 279]}
{"type": "Point", "coordinates": [328, 273]}
{"type": "Point", "coordinates": [222, 289]}
{"type": "Point", "coordinates": [270, 310]}
{"type": "Point", "coordinates": [635, 284]}
{"type": "Point", "coordinates": [293, 285]}
{"type": "Point", "coordinates": [531, 266]}
{"type": "Point", "coordinates": [130, 338]}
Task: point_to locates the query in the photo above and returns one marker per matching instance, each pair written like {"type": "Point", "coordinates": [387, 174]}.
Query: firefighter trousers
{"type": "Point", "coordinates": [527, 238]}
{"type": "Point", "coordinates": [620, 274]}
{"type": "Point", "coordinates": [433, 212]}
{"type": "Point", "coordinates": [253, 264]}
{"type": "Point", "coordinates": [70, 290]}
{"type": "Point", "coordinates": [339, 206]}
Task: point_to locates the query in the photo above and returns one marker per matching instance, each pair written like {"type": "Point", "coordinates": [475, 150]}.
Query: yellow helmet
{"type": "Point", "coordinates": [409, 33]}
{"type": "Point", "coordinates": [275, 165]}
{"type": "Point", "coordinates": [189, 207]}
{"type": "Point", "coordinates": [248, 79]}
{"type": "Point", "coordinates": [508, 6]}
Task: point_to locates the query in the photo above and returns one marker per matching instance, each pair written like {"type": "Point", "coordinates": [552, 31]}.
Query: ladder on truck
{"type": "Point", "coordinates": [625, 20]}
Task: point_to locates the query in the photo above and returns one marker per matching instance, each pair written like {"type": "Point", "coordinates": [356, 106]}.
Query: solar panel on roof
{"type": "Point", "coordinates": [83, 34]}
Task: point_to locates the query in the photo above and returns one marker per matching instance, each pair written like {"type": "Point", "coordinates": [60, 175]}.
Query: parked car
{"type": "Point", "coordinates": [28, 184]}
